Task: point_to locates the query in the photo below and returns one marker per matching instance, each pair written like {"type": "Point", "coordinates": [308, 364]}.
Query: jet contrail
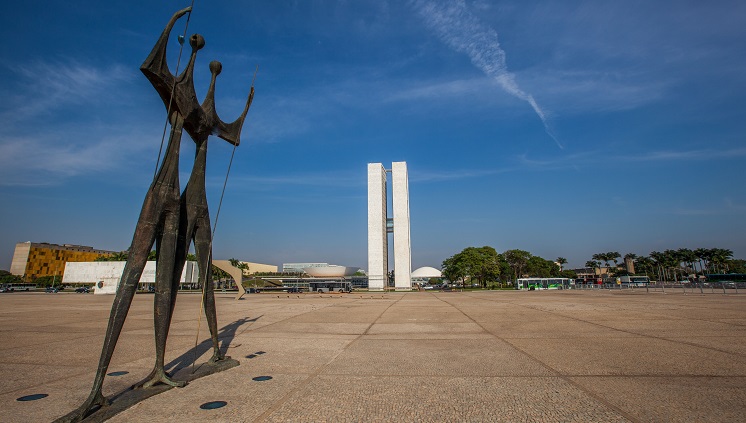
{"type": "Point", "coordinates": [463, 32]}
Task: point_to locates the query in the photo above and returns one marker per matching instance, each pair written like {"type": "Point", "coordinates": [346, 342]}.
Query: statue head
{"type": "Point", "coordinates": [196, 41]}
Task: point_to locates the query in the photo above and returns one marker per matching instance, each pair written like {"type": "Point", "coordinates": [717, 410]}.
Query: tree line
{"type": "Point", "coordinates": [484, 265]}
{"type": "Point", "coordinates": [672, 265]}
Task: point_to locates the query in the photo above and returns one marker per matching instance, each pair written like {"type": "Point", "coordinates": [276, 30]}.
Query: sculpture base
{"type": "Point", "coordinates": [132, 396]}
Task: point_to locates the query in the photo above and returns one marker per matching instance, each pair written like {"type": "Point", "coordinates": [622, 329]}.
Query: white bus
{"type": "Point", "coordinates": [20, 286]}
{"type": "Point", "coordinates": [544, 283]}
{"type": "Point", "coordinates": [632, 280]}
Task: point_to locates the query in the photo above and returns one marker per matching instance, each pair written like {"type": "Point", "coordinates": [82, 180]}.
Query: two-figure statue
{"type": "Point", "coordinates": [170, 220]}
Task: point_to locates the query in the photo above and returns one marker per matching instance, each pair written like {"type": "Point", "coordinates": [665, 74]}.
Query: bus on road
{"type": "Point", "coordinates": [11, 287]}
{"type": "Point", "coordinates": [544, 283]}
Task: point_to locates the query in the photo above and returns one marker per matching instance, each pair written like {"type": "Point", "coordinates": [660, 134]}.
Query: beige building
{"type": "Point", "coordinates": [235, 272]}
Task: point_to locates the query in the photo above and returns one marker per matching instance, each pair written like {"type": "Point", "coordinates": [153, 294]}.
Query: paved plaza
{"type": "Point", "coordinates": [538, 356]}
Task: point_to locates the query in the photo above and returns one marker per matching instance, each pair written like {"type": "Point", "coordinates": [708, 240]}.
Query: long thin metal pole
{"type": "Point", "coordinates": [173, 87]}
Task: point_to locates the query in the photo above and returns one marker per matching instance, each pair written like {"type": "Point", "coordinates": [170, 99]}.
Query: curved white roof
{"type": "Point", "coordinates": [330, 271]}
{"type": "Point", "coordinates": [427, 272]}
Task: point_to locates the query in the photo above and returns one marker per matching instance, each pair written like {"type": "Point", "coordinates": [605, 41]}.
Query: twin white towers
{"type": "Point", "coordinates": [380, 225]}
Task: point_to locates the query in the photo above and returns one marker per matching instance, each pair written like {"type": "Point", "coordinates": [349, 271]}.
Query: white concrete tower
{"type": "Point", "coordinates": [378, 263]}
{"type": "Point", "coordinates": [379, 225]}
{"type": "Point", "coordinates": [402, 246]}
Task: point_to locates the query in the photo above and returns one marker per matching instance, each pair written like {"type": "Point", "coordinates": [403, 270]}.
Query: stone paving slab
{"type": "Point", "coordinates": [673, 399]}
{"type": "Point", "coordinates": [561, 327]}
{"type": "Point", "coordinates": [433, 314]}
{"type": "Point", "coordinates": [425, 328]}
{"type": "Point", "coordinates": [670, 327]}
{"type": "Point", "coordinates": [333, 328]}
{"type": "Point", "coordinates": [629, 356]}
{"type": "Point", "coordinates": [458, 357]}
{"type": "Point", "coordinates": [438, 399]}
{"type": "Point", "coordinates": [424, 356]}
{"type": "Point", "coordinates": [733, 345]}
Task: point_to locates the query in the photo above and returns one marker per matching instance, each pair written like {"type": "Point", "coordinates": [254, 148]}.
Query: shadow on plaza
{"type": "Point", "coordinates": [225, 337]}
{"type": "Point", "coordinates": [226, 334]}
{"type": "Point", "coordinates": [132, 395]}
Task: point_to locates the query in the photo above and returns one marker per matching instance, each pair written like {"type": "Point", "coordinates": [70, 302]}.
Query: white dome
{"type": "Point", "coordinates": [427, 272]}
{"type": "Point", "coordinates": [331, 271]}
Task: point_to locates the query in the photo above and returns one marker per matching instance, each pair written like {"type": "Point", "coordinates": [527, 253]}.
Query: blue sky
{"type": "Point", "coordinates": [562, 128]}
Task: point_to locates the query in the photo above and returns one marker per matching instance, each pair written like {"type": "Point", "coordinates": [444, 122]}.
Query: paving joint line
{"type": "Point", "coordinates": [305, 382]}
{"type": "Point", "coordinates": [557, 373]}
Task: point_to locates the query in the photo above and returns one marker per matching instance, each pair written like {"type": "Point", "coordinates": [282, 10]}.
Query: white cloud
{"type": "Point", "coordinates": [463, 32]}
{"type": "Point", "coordinates": [46, 159]}
{"type": "Point", "coordinates": [590, 158]}
{"type": "Point", "coordinates": [58, 123]}
{"type": "Point", "coordinates": [450, 175]}
{"type": "Point", "coordinates": [695, 155]}
{"type": "Point", "coordinates": [46, 86]}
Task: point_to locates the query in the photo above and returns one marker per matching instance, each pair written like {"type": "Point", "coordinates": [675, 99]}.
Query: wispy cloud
{"type": "Point", "coordinates": [47, 159]}
{"type": "Point", "coordinates": [673, 155]}
{"type": "Point", "coordinates": [450, 175]}
{"type": "Point", "coordinates": [438, 89]}
{"type": "Point", "coordinates": [261, 183]}
{"type": "Point", "coordinates": [591, 158]}
{"type": "Point", "coordinates": [463, 32]}
{"type": "Point", "coordinates": [348, 179]}
{"type": "Point", "coordinates": [50, 85]}
{"type": "Point", "coordinates": [594, 90]}
{"type": "Point", "coordinates": [728, 207]}
{"type": "Point", "coordinates": [57, 123]}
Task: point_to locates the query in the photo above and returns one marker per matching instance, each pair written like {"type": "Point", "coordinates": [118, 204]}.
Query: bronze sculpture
{"type": "Point", "coordinates": [170, 220]}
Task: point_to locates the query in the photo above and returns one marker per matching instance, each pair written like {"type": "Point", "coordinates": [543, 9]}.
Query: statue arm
{"type": "Point", "coordinates": [155, 66]}
{"type": "Point", "coordinates": [231, 132]}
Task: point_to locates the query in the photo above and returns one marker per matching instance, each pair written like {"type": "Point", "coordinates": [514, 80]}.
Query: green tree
{"type": "Point", "coordinates": [240, 265]}
{"type": "Point", "coordinates": [703, 257]}
{"type": "Point", "coordinates": [613, 256]}
{"type": "Point", "coordinates": [659, 262]}
{"type": "Point", "coordinates": [517, 260]}
{"type": "Point", "coordinates": [736, 266]}
{"type": "Point", "coordinates": [720, 257]}
{"type": "Point", "coordinates": [601, 257]}
{"type": "Point", "coordinates": [538, 267]}
{"type": "Point", "coordinates": [672, 260]}
{"type": "Point", "coordinates": [607, 258]}
{"type": "Point", "coordinates": [562, 262]}
{"type": "Point", "coordinates": [219, 274]}
{"type": "Point", "coordinates": [454, 268]}
{"type": "Point", "coordinates": [644, 265]}
{"type": "Point", "coordinates": [688, 257]}
{"type": "Point", "coordinates": [120, 256]}
{"type": "Point", "coordinates": [478, 264]}
{"type": "Point", "coordinates": [50, 280]}
{"type": "Point", "coordinates": [8, 278]}
{"type": "Point", "coordinates": [570, 274]}
{"type": "Point", "coordinates": [487, 266]}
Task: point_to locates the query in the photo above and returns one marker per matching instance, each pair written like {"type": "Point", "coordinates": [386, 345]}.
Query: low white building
{"type": "Point", "coordinates": [424, 274]}
{"type": "Point", "coordinates": [106, 275]}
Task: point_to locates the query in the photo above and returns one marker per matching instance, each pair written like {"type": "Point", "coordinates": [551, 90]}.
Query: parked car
{"type": "Point", "coordinates": [51, 290]}
{"type": "Point", "coordinates": [82, 290]}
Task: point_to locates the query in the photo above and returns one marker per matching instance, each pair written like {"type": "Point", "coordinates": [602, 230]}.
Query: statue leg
{"type": "Point", "coordinates": [166, 245]}
{"type": "Point", "coordinates": [203, 250]}
{"type": "Point", "coordinates": [137, 257]}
